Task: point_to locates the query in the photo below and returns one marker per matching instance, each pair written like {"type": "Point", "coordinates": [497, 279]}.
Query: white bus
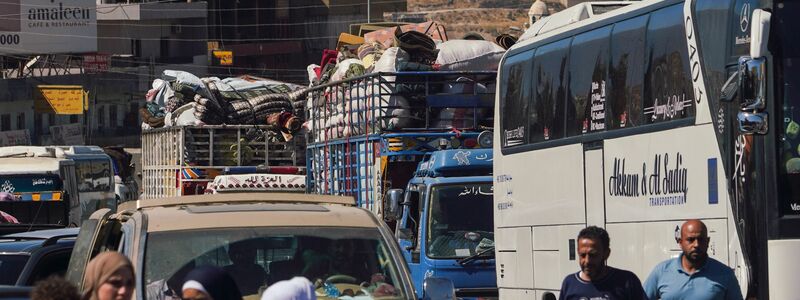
{"type": "Point", "coordinates": [620, 120]}
{"type": "Point", "coordinates": [82, 176]}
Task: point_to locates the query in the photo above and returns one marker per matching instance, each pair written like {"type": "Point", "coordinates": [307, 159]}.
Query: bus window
{"type": "Point", "coordinates": [514, 98]}
{"type": "Point", "coordinates": [627, 73]}
{"type": "Point", "coordinates": [93, 175]}
{"type": "Point", "coordinates": [546, 116]}
{"type": "Point", "coordinates": [101, 170]}
{"type": "Point", "coordinates": [668, 93]}
{"type": "Point", "coordinates": [588, 62]}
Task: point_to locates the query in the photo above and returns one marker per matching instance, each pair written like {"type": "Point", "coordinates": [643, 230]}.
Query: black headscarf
{"type": "Point", "coordinates": [216, 282]}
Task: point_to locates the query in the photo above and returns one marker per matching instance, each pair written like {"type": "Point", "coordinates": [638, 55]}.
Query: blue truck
{"type": "Point", "coordinates": [443, 226]}
{"type": "Point", "coordinates": [375, 135]}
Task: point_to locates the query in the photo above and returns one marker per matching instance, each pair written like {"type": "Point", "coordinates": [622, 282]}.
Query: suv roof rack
{"type": "Point", "coordinates": [235, 198]}
{"type": "Point", "coordinates": [52, 240]}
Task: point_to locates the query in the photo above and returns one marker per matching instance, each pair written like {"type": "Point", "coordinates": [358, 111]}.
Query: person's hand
{"type": "Point", "coordinates": [384, 290]}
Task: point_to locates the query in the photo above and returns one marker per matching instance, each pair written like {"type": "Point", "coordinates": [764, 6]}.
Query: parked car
{"type": "Point", "coordinates": [259, 238]}
{"type": "Point", "coordinates": [28, 257]}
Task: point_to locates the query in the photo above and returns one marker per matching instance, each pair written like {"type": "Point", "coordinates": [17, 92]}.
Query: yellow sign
{"type": "Point", "coordinates": [225, 57]}
{"type": "Point", "coordinates": [60, 99]}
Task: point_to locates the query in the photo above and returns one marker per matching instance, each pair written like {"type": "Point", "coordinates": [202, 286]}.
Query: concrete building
{"type": "Point", "coordinates": [278, 39]}
{"type": "Point", "coordinates": [135, 41]}
{"type": "Point", "coordinates": [138, 39]}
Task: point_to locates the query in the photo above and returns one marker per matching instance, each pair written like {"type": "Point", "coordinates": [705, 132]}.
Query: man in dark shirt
{"type": "Point", "coordinates": [596, 280]}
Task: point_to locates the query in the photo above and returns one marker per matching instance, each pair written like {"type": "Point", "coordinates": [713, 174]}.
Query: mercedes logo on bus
{"type": "Point", "coordinates": [744, 17]}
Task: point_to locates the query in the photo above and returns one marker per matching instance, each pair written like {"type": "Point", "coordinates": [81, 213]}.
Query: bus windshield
{"type": "Point", "coordinates": [460, 222]}
{"type": "Point", "coordinates": [29, 183]}
{"type": "Point", "coordinates": [788, 84]}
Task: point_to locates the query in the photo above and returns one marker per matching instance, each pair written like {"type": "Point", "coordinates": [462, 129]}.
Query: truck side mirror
{"type": "Point", "coordinates": [405, 234]}
{"type": "Point", "coordinates": [438, 288]}
{"type": "Point", "coordinates": [392, 210]}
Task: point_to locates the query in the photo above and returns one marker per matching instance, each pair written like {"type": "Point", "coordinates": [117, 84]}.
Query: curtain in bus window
{"type": "Point", "coordinates": [546, 120]}
{"type": "Point", "coordinates": [101, 171]}
{"type": "Point", "coordinates": [588, 62]}
{"type": "Point", "coordinates": [626, 74]}
{"type": "Point", "coordinates": [668, 93]}
{"type": "Point", "coordinates": [514, 98]}
{"type": "Point", "coordinates": [93, 175]}
{"type": "Point", "coordinates": [84, 170]}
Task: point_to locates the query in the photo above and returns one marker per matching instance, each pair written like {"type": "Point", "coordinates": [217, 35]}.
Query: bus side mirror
{"type": "Point", "coordinates": [753, 83]}
{"type": "Point", "coordinates": [393, 210]}
{"type": "Point", "coordinates": [750, 80]}
{"type": "Point", "coordinates": [753, 69]}
{"type": "Point", "coordinates": [752, 123]}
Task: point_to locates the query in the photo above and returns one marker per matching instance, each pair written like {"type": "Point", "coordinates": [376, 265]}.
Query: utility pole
{"type": "Point", "coordinates": [368, 11]}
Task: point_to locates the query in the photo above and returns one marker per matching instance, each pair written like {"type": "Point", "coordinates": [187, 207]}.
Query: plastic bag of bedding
{"type": "Point", "coordinates": [469, 55]}
{"type": "Point", "coordinates": [187, 83]}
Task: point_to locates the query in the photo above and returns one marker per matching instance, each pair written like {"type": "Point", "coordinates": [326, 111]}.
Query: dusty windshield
{"type": "Point", "coordinates": [460, 223]}
{"type": "Point", "coordinates": [341, 262]}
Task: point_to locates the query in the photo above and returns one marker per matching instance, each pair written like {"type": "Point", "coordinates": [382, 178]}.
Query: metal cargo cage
{"type": "Point", "coordinates": [173, 156]}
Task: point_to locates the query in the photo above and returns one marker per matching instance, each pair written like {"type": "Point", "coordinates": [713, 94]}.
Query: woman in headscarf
{"type": "Point", "coordinates": [210, 283]}
{"type": "Point", "coordinates": [109, 276]}
{"type": "Point", "coordinates": [298, 288]}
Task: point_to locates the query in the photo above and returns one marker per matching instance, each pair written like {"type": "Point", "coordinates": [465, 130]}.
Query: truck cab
{"type": "Point", "coordinates": [445, 221]}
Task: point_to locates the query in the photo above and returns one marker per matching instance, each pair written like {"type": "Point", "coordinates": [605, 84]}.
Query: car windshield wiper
{"type": "Point", "coordinates": [485, 253]}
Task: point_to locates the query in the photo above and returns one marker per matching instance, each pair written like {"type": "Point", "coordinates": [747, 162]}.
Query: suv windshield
{"type": "Point", "coordinates": [355, 261]}
{"type": "Point", "coordinates": [460, 223]}
{"type": "Point", "coordinates": [11, 266]}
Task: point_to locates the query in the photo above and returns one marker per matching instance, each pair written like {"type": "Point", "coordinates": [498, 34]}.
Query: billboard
{"type": "Point", "coordinates": [15, 138]}
{"type": "Point", "coordinates": [48, 26]}
{"type": "Point", "coordinates": [60, 99]}
{"type": "Point", "coordinates": [68, 134]}
{"type": "Point", "coordinates": [222, 57]}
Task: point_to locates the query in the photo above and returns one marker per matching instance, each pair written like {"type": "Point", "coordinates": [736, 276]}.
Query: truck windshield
{"type": "Point", "coordinates": [356, 261]}
{"type": "Point", "coordinates": [29, 183]}
{"type": "Point", "coordinates": [460, 222]}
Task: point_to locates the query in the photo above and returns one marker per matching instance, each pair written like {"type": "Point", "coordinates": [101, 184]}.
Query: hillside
{"type": "Point", "coordinates": [488, 18]}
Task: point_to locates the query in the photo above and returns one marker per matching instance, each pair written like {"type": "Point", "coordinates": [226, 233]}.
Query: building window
{"type": "Point", "coordinates": [112, 116]}
{"type": "Point", "coordinates": [5, 122]}
{"type": "Point", "coordinates": [21, 121]}
{"type": "Point", "coordinates": [38, 123]}
{"type": "Point", "coordinates": [101, 113]}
